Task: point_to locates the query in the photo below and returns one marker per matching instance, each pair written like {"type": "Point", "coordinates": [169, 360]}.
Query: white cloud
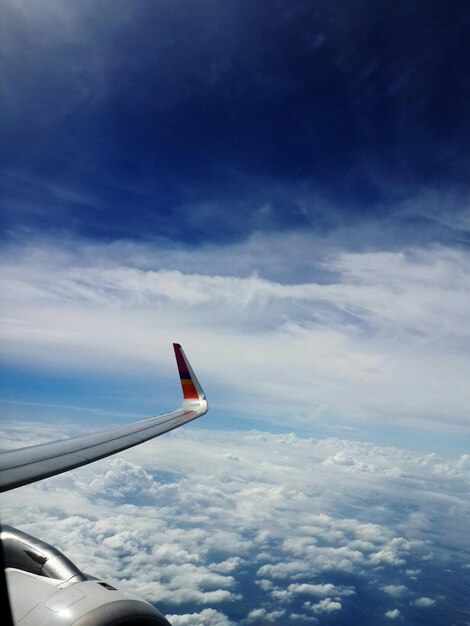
{"type": "Point", "coordinates": [341, 458]}
{"type": "Point", "coordinates": [227, 566]}
{"type": "Point", "coordinates": [327, 605]}
{"type": "Point", "coordinates": [274, 530]}
{"type": "Point", "coordinates": [424, 602]}
{"type": "Point", "coordinates": [389, 557]}
{"type": "Point", "coordinates": [207, 617]}
{"type": "Point", "coordinates": [388, 331]}
{"type": "Point", "coordinates": [266, 616]}
{"type": "Point", "coordinates": [316, 590]}
{"type": "Point", "coordinates": [301, 617]}
{"type": "Point", "coordinates": [395, 590]}
{"type": "Point", "coordinates": [392, 614]}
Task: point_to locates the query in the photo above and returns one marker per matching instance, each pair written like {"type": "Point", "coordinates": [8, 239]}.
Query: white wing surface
{"type": "Point", "coordinates": [27, 465]}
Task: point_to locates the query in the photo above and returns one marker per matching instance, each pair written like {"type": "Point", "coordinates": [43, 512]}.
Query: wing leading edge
{"type": "Point", "coordinates": [27, 465]}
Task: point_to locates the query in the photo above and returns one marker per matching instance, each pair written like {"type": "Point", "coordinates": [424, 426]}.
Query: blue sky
{"type": "Point", "coordinates": [287, 179]}
{"type": "Point", "coordinates": [204, 122]}
{"type": "Point", "coordinates": [282, 187]}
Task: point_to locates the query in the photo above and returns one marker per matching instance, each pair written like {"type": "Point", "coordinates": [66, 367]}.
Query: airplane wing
{"type": "Point", "coordinates": [27, 465]}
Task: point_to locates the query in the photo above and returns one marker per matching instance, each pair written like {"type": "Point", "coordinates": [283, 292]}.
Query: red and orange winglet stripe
{"type": "Point", "coordinates": [189, 390]}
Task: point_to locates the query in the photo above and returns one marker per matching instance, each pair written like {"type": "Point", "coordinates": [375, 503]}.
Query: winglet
{"type": "Point", "coordinates": [192, 390]}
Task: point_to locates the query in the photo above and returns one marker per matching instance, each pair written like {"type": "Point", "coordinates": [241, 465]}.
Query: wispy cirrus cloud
{"type": "Point", "coordinates": [371, 336]}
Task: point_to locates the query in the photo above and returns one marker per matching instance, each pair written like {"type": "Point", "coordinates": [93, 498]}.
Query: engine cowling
{"type": "Point", "coordinates": [46, 588]}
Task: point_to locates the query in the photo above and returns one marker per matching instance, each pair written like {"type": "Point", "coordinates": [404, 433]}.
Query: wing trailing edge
{"type": "Point", "coordinates": [27, 465]}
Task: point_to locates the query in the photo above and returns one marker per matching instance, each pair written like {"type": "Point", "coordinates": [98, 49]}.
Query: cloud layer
{"type": "Point", "coordinates": [249, 528]}
{"type": "Point", "coordinates": [371, 336]}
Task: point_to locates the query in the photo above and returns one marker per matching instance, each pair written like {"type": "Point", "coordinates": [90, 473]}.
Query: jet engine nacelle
{"type": "Point", "coordinates": [46, 588]}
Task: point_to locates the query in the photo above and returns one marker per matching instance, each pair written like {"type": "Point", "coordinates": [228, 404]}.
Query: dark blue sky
{"type": "Point", "coordinates": [206, 121]}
